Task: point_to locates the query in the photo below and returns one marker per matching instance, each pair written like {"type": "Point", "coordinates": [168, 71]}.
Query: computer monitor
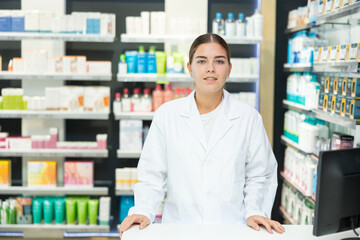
{"type": "Point", "coordinates": [337, 206]}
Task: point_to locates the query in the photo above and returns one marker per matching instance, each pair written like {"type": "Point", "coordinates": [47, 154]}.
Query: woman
{"type": "Point", "coordinates": [211, 151]}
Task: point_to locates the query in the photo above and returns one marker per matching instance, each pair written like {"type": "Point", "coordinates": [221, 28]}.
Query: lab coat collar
{"type": "Point", "coordinates": [222, 123]}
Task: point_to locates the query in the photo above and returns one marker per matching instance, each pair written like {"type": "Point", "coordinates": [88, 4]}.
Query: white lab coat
{"type": "Point", "coordinates": [225, 180]}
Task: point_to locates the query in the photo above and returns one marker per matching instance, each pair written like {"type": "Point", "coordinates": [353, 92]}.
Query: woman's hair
{"type": "Point", "coordinates": [208, 38]}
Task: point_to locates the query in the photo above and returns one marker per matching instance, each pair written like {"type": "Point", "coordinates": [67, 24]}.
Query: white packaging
{"type": "Point", "coordinates": [45, 21]}
{"type": "Point", "coordinates": [80, 64]}
{"type": "Point", "coordinates": [98, 67]}
{"type": "Point", "coordinates": [104, 210]}
{"type": "Point", "coordinates": [52, 96]}
{"type": "Point", "coordinates": [32, 21]}
{"type": "Point", "coordinates": [249, 27]}
{"type": "Point", "coordinates": [258, 21]}
{"type": "Point", "coordinates": [21, 143]}
{"type": "Point", "coordinates": [353, 51]}
{"type": "Point", "coordinates": [96, 99]}
{"type": "Point", "coordinates": [68, 64]}
{"type": "Point", "coordinates": [41, 61]}
{"type": "Point", "coordinates": [71, 98]}
{"type": "Point", "coordinates": [80, 21]}
{"type": "Point", "coordinates": [145, 23]}
{"type": "Point", "coordinates": [51, 65]}
{"type": "Point", "coordinates": [18, 65]}
{"type": "Point", "coordinates": [131, 135]}
{"type": "Point", "coordinates": [137, 26]}
{"type": "Point", "coordinates": [292, 19]}
{"type": "Point", "coordinates": [107, 24]}
{"type": "Point", "coordinates": [122, 178]}
{"type": "Point", "coordinates": [130, 25]}
{"type": "Point", "coordinates": [58, 65]}
{"type": "Point", "coordinates": [29, 60]}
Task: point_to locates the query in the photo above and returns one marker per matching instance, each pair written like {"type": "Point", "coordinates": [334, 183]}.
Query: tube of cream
{"type": "Point", "coordinates": [37, 206]}
{"type": "Point", "coordinates": [48, 205]}
{"type": "Point", "coordinates": [131, 60]}
{"type": "Point", "coordinates": [93, 205]}
{"type": "Point", "coordinates": [70, 210]}
{"type": "Point", "coordinates": [160, 62]}
{"type": "Point", "coordinates": [60, 210]}
{"type": "Point", "coordinates": [82, 211]}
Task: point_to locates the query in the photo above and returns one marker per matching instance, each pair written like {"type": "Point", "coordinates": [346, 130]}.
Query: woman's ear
{"type": "Point", "coordinates": [230, 67]}
{"type": "Point", "coordinates": [189, 67]}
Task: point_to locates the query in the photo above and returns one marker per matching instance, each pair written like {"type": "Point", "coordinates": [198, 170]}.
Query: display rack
{"type": "Point", "coordinates": [287, 216]}
{"type": "Point", "coordinates": [309, 197]}
{"type": "Point", "coordinates": [338, 67]}
{"type": "Point", "coordinates": [78, 153]}
{"type": "Point", "coordinates": [296, 107]}
{"type": "Point", "coordinates": [179, 77]}
{"type": "Point", "coordinates": [53, 191]}
{"type": "Point", "coordinates": [297, 67]}
{"type": "Point", "coordinates": [152, 38]}
{"type": "Point", "coordinates": [129, 192]}
{"type": "Point", "coordinates": [53, 114]}
{"type": "Point", "coordinates": [128, 154]}
{"type": "Point", "coordinates": [5, 75]}
{"type": "Point", "coordinates": [289, 142]}
{"type": "Point", "coordinates": [17, 36]}
{"type": "Point", "coordinates": [134, 115]}
{"type": "Point", "coordinates": [37, 231]}
{"type": "Point", "coordinates": [338, 13]}
{"type": "Point", "coordinates": [300, 28]}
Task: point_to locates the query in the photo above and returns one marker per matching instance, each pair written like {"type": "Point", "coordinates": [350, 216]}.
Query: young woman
{"type": "Point", "coordinates": [211, 151]}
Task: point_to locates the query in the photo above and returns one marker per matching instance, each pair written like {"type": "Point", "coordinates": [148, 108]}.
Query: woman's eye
{"type": "Point", "coordinates": [220, 61]}
{"type": "Point", "coordinates": [201, 61]}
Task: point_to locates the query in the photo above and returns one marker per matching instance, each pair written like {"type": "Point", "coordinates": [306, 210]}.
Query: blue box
{"type": "Point", "coordinates": [18, 24]}
{"type": "Point", "coordinates": [5, 24]}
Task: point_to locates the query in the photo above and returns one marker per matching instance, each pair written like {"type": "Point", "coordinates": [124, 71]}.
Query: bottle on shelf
{"type": "Point", "coordinates": [146, 101]}
{"type": "Point", "coordinates": [177, 93]}
{"type": "Point", "coordinates": [240, 26]}
{"type": "Point", "coordinates": [117, 103]}
{"type": "Point", "coordinates": [158, 97]}
{"type": "Point", "coordinates": [189, 90]}
{"type": "Point", "coordinates": [230, 29]}
{"type": "Point", "coordinates": [142, 60]}
{"type": "Point", "coordinates": [136, 101]}
{"type": "Point", "coordinates": [122, 64]}
{"type": "Point", "coordinates": [126, 101]}
{"type": "Point", "coordinates": [218, 25]}
{"type": "Point", "coordinates": [249, 26]}
{"type": "Point", "coordinates": [151, 60]}
{"type": "Point", "coordinates": [258, 21]}
{"type": "Point", "coordinates": [182, 92]}
{"type": "Point", "coordinates": [168, 94]}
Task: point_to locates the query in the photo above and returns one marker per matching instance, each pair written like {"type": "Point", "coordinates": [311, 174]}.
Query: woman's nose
{"type": "Point", "coordinates": [210, 68]}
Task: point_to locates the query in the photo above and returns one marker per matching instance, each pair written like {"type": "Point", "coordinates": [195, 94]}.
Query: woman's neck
{"type": "Point", "coordinates": [207, 102]}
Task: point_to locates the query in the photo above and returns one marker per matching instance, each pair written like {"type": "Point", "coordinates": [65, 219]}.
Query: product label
{"type": "Point", "coordinates": [338, 105]}
{"type": "Point", "coordinates": [337, 55]}
{"type": "Point", "coordinates": [316, 55]}
{"type": "Point", "coordinates": [333, 53]}
{"type": "Point", "coordinates": [353, 51]}
{"type": "Point", "coordinates": [355, 87]}
{"type": "Point", "coordinates": [324, 54]}
{"type": "Point", "coordinates": [342, 52]}
{"type": "Point", "coordinates": [343, 85]}
{"type": "Point", "coordinates": [327, 84]}
{"type": "Point", "coordinates": [347, 53]}
{"type": "Point", "coordinates": [325, 102]}
{"type": "Point", "coordinates": [343, 107]}
{"type": "Point", "coordinates": [335, 86]}
{"type": "Point", "coordinates": [328, 56]}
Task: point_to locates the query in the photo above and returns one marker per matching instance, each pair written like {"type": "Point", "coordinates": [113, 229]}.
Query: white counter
{"type": "Point", "coordinates": [226, 232]}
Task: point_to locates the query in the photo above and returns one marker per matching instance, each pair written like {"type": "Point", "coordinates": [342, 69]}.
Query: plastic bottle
{"type": "Point", "coordinates": [258, 21]}
{"type": "Point", "coordinates": [304, 80]}
{"type": "Point", "coordinates": [177, 93]}
{"type": "Point", "coordinates": [158, 97]}
{"type": "Point", "coordinates": [136, 101]}
{"type": "Point", "coordinates": [151, 60]}
{"type": "Point", "coordinates": [126, 101]}
{"type": "Point", "coordinates": [168, 94]}
{"type": "Point", "coordinates": [182, 92]}
{"type": "Point", "coordinates": [12, 211]}
{"type": "Point", "coordinates": [142, 60]}
{"type": "Point", "coordinates": [312, 93]}
{"type": "Point", "coordinates": [146, 101]}
{"type": "Point", "coordinates": [4, 212]}
{"type": "Point", "coordinates": [218, 24]}
{"type": "Point", "coordinates": [230, 28]}
{"type": "Point", "coordinates": [189, 90]}
{"type": "Point", "coordinates": [240, 26]}
{"type": "Point", "coordinates": [249, 27]}
{"type": "Point", "coordinates": [323, 129]}
{"type": "Point", "coordinates": [117, 103]}
{"type": "Point", "coordinates": [122, 64]}
{"type": "Point", "coordinates": [291, 87]}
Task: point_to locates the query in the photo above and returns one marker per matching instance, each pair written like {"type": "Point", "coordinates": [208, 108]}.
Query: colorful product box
{"type": "Point", "coordinates": [321, 101]}
{"type": "Point", "coordinates": [42, 173]}
{"type": "Point", "coordinates": [342, 85]}
{"type": "Point", "coordinates": [23, 210]}
{"type": "Point", "coordinates": [5, 172]}
{"type": "Point", "coordinates": [333, 104]}
{"type": "Point", "coordinates": [22, 143]}
{"type": "Point", "coordinates": [341, 141]}
{"type": "Point", "coordinates": [347, 52]}
{"type": "Point", "coordinates": [355, 87]}
{"type": "Point", "coordinates": [334, 51]}
{"type": "Point", "coordinates": [317, 55]}
{"type": "Point", "coordinates": [327, 84]}
{"type": "Point", "coordinates": [354, 109]}
{"type": "Point", "coordinates": [342, 52]}
{"type": "Point", "coordinates": [335, 86]}
{"type": "Point", "coordinates": [354, 51]}
{"type": "Point", "coordinates": [338, 104]}
{"type": "Point", "coordinates": [79, 173]}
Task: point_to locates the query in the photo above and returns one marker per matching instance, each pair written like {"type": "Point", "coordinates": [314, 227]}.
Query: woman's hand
{"type": "Point", "coordinates": [255, 221]}
{"type": "Point", "coordinates": [130, 220]}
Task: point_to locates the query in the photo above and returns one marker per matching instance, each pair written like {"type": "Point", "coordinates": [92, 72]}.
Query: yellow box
{"type": "Point", "coordinates": [347, 53]}
{"type": "Point", "coordinates": [5, 172]}
{"type": "Point", "coordinates": [328, 56]}
{"type": "Point", "coordinates": [327, 84]}
{"type": "Point", "coordinates": [42, 173]}
{"type": "Point", "coordinates": [337, 55]}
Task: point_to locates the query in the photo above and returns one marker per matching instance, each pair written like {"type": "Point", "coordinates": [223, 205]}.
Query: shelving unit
{"type": "Point", "coordinates": [124, 192]}
{"type": "Point", "coordinates": [338, 13]}
{"type": "Point", "coordinates": [53, 114]}
{"type": "Point", "coordinates": [287, 216]}
{"type": "Point", "coordinates": [149, 77]}
{"type": "Point", "coordinates": [78, 153]}
{"type": "Point", "coordinates": [128, 154]}
{"type": "Point", "coordinates": [297, 107]}
{"type": "Point", "coordinates": [134, 115]}
{"type": "Point", "coordinates": [338, 67]}
{"type": "Point", "coordinates": [50, 230]}
{"type": "Point", "coordinates": [54, 191]}
{"type": "Point", "coordinates": [5, 75]}
{"type": "Point", "coordinates": [17, 36]}
{"type": "Point", "coordinates": [297, 67]}
{"type": "Point", "coordinates": [289, 142]}
{"type": "Point", "coordinates": [300, 28]}
{"type": "Point", "coordinates": [151, 38]}
{"type": "Point", "coordinates": [296, 187]}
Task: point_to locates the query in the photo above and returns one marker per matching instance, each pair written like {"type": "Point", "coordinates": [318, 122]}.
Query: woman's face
{"type": "Point", "coordinates": [210, 67]}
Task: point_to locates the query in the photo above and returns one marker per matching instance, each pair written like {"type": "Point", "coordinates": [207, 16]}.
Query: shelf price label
{"type": "Point", "coordinates": [162, 79]}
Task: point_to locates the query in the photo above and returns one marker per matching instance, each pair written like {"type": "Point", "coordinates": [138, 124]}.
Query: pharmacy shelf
{"type": "Point", "coordinates": [55, 76]}
{"type": "Point", "coordinates": [17, 36]}
{"type": "Point", "coordinates": [37, 231]}
{"type": "Point", "coordinates": [152, 38]}
{"type": "Point", "coordinates": [338, 67]}
{"type": "Point", "coordinates": [53, 191]}
{"type": "Point", "coordinates": [338, 13]}
{"type": "Point", "coordinates": [296, 107]}
{"type": "Point", "coordinates": [134, 115]}
{"type": "Point", "coordinates": [336, 119]}
{"type": "Point", "coordinates": [53, 114]}
{"type": "Point", "coordinates": [289, 142]}
{"type": "Point", "coordinates": [179, 77]}
{"type": "Point", "coordinates": [309, 197]}
{"type": "Point", "coordinates": [300, 28]}
{"type": "Point", "coordinates": [129, 192]}
{"type": "Point", "coordinates": [287, 216]}
{"type": "Point", "coordinates": [297, 67]}
{"type": "Point", "coordinates": [92, 153]}
{"type": "Point", "coordinates": [128, 154]}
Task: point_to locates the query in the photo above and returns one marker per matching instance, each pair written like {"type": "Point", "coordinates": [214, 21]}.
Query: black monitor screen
{"type": "Point", "coordinates": [337, 206]}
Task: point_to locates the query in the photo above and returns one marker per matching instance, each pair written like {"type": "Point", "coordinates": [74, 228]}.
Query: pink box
{"type": "Point", "coordinates": [79, 173]}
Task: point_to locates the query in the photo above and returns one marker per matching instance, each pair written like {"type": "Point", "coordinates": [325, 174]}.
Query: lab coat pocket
{"type": "Point", "coordinates": [234, 169]}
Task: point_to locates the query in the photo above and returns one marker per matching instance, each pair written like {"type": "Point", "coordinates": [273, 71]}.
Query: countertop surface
{"type": "Point", "coordinates": [223, 231]}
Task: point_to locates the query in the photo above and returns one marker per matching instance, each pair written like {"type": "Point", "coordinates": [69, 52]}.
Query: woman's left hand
{"type": "Point", "coordinates": [255, 221]}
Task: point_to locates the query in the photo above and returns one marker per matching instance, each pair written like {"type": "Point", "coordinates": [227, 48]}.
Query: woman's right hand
{"type": "Point", "coordinates": [130, 220]}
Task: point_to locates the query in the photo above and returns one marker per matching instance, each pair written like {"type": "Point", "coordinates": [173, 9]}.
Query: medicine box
{"type": "Point", "coordinates": [354, 51]}
{"type": "Point", "coordinates": [342, 52]}
{"type": "Point", "coordinates": [22, 143]}
{"type": "Point", "coordinates": [78, 173]}
{"type": "Point", "coordinates": [5, 172]}
{"type": "Point", "coordinates": [131, 135]}
{"type": "Point", "coordinates": [355, 87]}
{"type": "Point", "coordinates": [333, 104]}
{"type": "Point", "coordinates": [41, 173]}
{"type": "Point", "coordinates": [321, 101]}
{"type": "Point", "coordinates": [341, 141]}
{"type": "Point", "coordinates": [342, 85]}
{"type": "Point", "coordinates": [335, 86]}
{"type": "Point", "coordinates": [17, 21]}
{"type": "Point", "coordinates": [334, 50]}
{"type": "Point", "coordinates": [354, 109]}
{"type": "Point", "coordinates": [327, 84]}
{"type": "Point", "coordinates": [338, 104]}
{"type": "Point", "coordinates": [5, 21]}
{"type": "Point", "coordinates": [330, 97]}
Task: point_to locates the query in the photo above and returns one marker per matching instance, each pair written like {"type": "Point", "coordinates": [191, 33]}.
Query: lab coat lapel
{"type": "Point", "coordinates": [192, 119]}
